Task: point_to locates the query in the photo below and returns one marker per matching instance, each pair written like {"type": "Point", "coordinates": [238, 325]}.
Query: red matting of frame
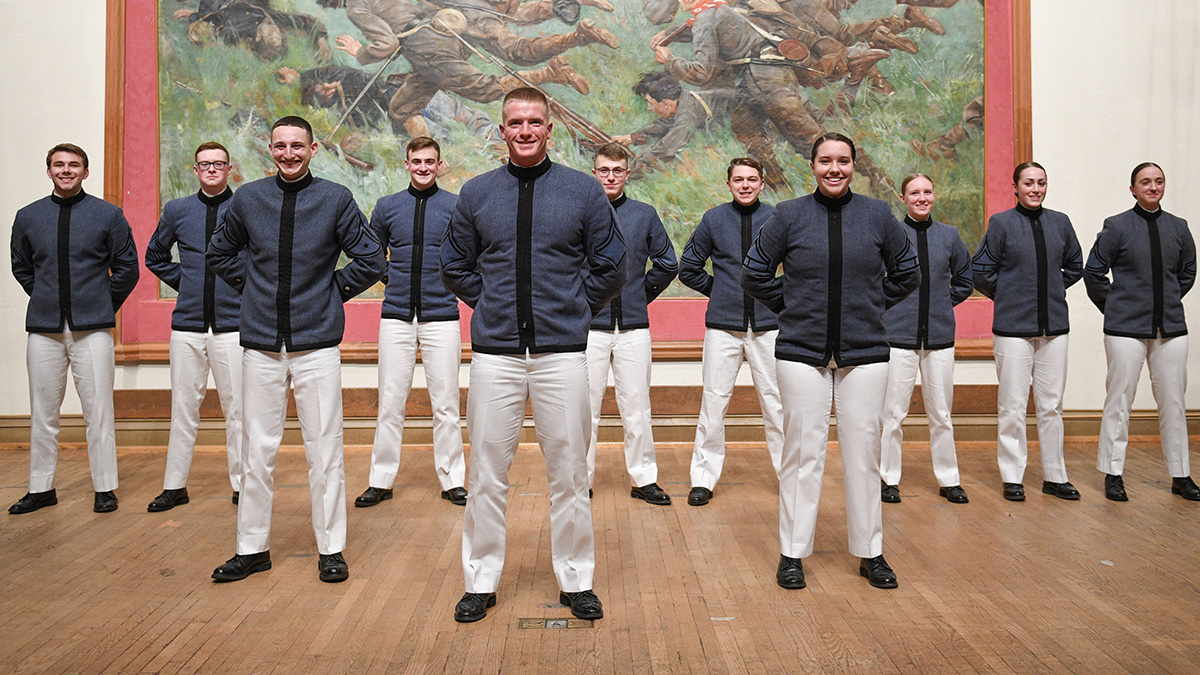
{"type": "Point", "coordinates": [132, 180]}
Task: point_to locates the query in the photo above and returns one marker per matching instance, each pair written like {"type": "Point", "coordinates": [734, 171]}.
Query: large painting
{"type": "Point", "coordinates": [683, 91]}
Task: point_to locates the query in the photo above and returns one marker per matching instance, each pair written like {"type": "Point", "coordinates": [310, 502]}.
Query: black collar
{"type": "Point", "coordinates": [423, 194]}
{"type": "Point", "coordinates": [213, 200]}
{"type": "Point", "coordinates": [616, 203]}
{"type": "Point", "coordinates": [530, 172]}
{"type": "Point", "coordinates": [1147, 215]}
{"type": "Point", "coordinates": [745, 210]}
{"type": "Point", "coordinates": [918, 224]}
{"type": "Point", "coordinates": [833, 203]}
{"type": "Point", "coordinates": [296, 185]}
{"type": "Point", "coordinates": [1029, 213]}
{"type": "Point", "coordinates": [68, 201]}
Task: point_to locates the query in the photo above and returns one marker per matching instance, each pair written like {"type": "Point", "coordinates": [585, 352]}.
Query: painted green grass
{"type": "Point", "coordinates": [221, 92]}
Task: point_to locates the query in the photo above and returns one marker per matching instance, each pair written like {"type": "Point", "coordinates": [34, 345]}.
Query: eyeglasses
{"type": "Point", "coordinates": [617, 172]}
{"type": "Point", "coordinates": [205, 166]}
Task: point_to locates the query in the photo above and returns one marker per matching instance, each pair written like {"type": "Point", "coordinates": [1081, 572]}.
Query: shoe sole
{"type": "Point", "coordinates": [364, 504]}
{"type": "Point", "coordinates": [565, 600]}
{"type": "Point", "coordinates": [104, 509]}
{"type": "Point", "coordinates": [1176, 491]}
{"type": "Point", "coordinates": [156, 508]}
{"type": "Point", "coordinates": [260, 567]}
{"type": "Point", "coordinates": [1069, 498]}
{"type": "Point", "coordinates": [334, 578]}
{"type": "Point", "coordinates": [1111, 498]}
{"type": "Point", "coordinates": [943, 493]}
{"type": "Point", "coordinates": [462, 618]}
{"type": "Point", "coordinates": [886, 500]}
{"type": "Point", "coordinates": [456, 502]}
{"type": "Point", "coordinates": [791, 585]}
{"type": "Point", "coordinates": [863, 573]}
{"type": "Point", "coordinates": [638, 495]}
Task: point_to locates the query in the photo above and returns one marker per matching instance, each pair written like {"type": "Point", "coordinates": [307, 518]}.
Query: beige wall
{"type": "Point", "coordinates": [1114, 83]}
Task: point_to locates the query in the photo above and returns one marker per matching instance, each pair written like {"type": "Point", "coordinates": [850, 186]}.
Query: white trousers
{"type": "Point", "coordinates": [1167, 358]}
{"type": "Point", "coordinates": [723, 352]}
{"type": "Point", "coordinates": [857, 394]}
{"type": "Point", "coordinates": [192, 356]}
{"type": "Point", "coordinates": [89, 355]}
{"type": "Point", "coordinates": [440, 343]}
{"type": "Point", "coordinates": [556, 387]}
{"type": "Point", "coordinates": [316, 377]}
{"type": "Point", "coordinates": [1019, 361]}
{"type": "Point", "coordinates": [937, 390]}
{"type": "Point", "coordinates": [629, 353]}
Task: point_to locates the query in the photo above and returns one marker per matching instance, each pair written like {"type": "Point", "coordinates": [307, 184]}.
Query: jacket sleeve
{"type": "Point", "coordinates": [158, 251]}
{"type": "Point", "coordinates": [124, 263]}
{"type": "Point", "coordinates": [22, 258]}
{"type": "Point", "coordinates": [367, 260]}
{"type": "Point", "coordinates": [379, 227]}
{"type": "Point", "coordinates": [605, 251]}
{"type": "Point", "coordinates": [960, 271]}
{"type": "Point", "coordinates": [223, 254]}
{"type": "Point", "coordinates": [985, 266]}
{"type": "Point", "coordinates": [1095, 273]}
{"type": "Point", "coordinates": [901, 268]}
{"type": "Point", "coordinates": [461, 247]}
{"type": "Point", "coordinates": [1072, 260]}
{"type": "Point", "coordinates": [1185, 272]}
{"type": "Point", "coordinates": [691, 264]}
{"type": "Point", "coordinates": [663, 264]}
{"type": "Point", "coordinates": [764, 256]}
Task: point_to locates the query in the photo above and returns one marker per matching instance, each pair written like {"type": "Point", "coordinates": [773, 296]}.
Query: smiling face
{"type": "Point", "coordinates": [526, 129]}
{"type": "Point", "coordinates": [292, 148]}
{"type": "Point", "coordinates": [1031, 187]}
{"type": "Point", "coordinates": [422, 167]}
{"type": "Point", "coordinates": [1148, 187]}
{"type": "Point", "coordinates": [745, 184]}
{"type": "Point", "coordinates": [834, 167]}
{"type": "Point", "coordinates": [919, 197]}
{"type": "Point", "coordinates": [612, 174]}
{"type": "Point", "coordinates": [67, 172]}
{"type": "Point", "coordinates": [213, 180]}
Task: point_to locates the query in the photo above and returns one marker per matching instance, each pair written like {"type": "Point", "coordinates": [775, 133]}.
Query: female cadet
{"type": "Point", "coordinates": [1152, 258]}
{"type": "Point", "coordinates": [845, 260]}
{"type": "Point", "coordinates": [1026, 260]}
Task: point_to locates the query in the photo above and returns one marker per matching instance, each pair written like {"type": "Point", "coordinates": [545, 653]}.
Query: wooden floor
{"type": "Point", "coordinates": [990, 586]}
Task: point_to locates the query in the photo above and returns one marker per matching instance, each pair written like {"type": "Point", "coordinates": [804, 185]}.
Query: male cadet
{"type": "Point", "coordinates": [293, 226]}
{"type": "Point", "coordinates": [418, 312]}
{"type": "Point", "coordinates": [74, 255]}
{"type": "Point", "coordinates": [535, 250]}
{"type": "Point", "coordinates": [735, 324]}
{"type": "Point", "coordinates": [204, 324]}
{"type": "Point", "coordinates": [621, 331]}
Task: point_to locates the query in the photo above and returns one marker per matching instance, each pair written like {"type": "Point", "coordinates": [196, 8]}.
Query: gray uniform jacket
{"type": "Point", "coordinates": [411, 224]}
{"type": "Point", "coordinates": [76, 260]}
{"type": "Point", "coordinates": [292, 289]}
{"type": "Point", "coordinates": [645, 240]}
{"type": "Point", "coordinates": [536, 252]}
{"type": "Point", "coordinates": [1152, 258]}
{"type": "Point", "coordinates": [724, 234]}
{"type": "Point", "coordinates": [925, 319]}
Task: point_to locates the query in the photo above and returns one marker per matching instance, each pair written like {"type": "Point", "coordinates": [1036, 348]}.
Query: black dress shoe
{"type": "Point", "coordinates": [584, 604]}
{"type": "Point", "coordinates": [890, 493]}
{"type": "Point", "coordinates": [473, 606]}
{"type": "Point", "coordinates": [1060, 490]}
{"type": "Point", "coordinates": [456, 495]}
{"type": "Point", "coordinates": [790, 573]}
{"type": "Point", "coordinates": [241, 566]}
{"type": "Point", "coordinates": [373, 495]}
{"type": "Point", "coordinates": [1184, 487]}
{"type": "Point", "coordinates": [1014, 492]}
{"type": "Point", "coordinates": [877, 572]}
{"type": "Point", "coordinates": [168, 500]}
{"type": "Point", "coordinates": [105, 502]}
{"type": "Point", "coordinates": [332, 568]}
{"type": "Point", "coordinates": [236, 495]}
{"type": "Point", "coordinates": [1114, 488]}
{"type": "Point", "coordinates": [651, 494]}
{"type": "Point", "coordinates": [589, 493]}
{"type": "Point", "coordinates": [32, 501]}
{"type": "Point", "coordinates": [699, 496]}
{"type": "Point", "coordinates": [954, 494]}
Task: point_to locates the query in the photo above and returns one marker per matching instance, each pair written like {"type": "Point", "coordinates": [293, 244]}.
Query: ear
{"type": "Point", "coordinates": [443, 167]}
